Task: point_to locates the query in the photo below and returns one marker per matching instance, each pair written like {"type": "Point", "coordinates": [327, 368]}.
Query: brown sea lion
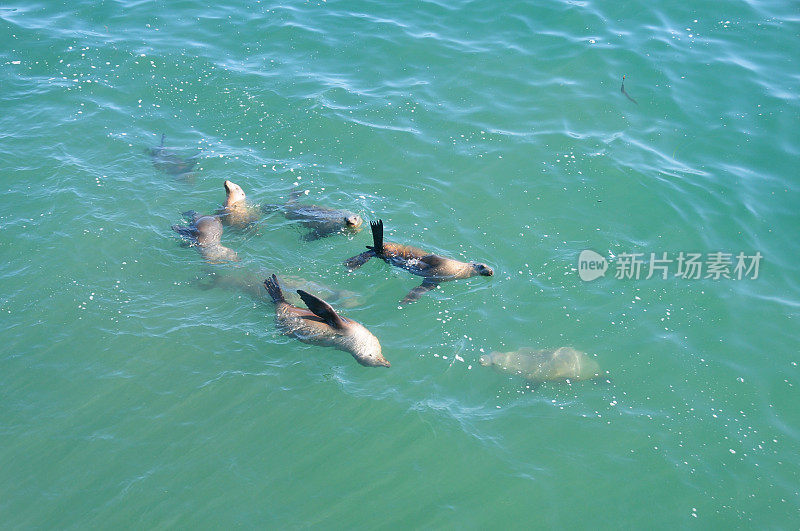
{"type": "Point", "coordinates": [168, 162]}
{"type": "Point", "coordinates": [205, 232]}
{"type": "Point", "coordinates": [433, 267]}
{"type": "Point", "coordinates": [322, 221]}
{"type": "Point", "coordinates": [563, 363]}
{"type": "Point", "coordinates": [321, 325]}
{"type": "Point", "coordinates": [237, 210]}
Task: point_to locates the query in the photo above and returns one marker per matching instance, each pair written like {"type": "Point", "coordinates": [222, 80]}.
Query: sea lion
{"type": "Point", "coordinates": [321, 325]}
{"type": "Point", "coordinates": [237, 211]}
{"type": "Point", "coordinates": [433, 267]}
{"type": "Point", "coordinates": [166, 161]}
{"type": "Point", "coordinates": [563, 363]}
{"type": "Point", "coordinates": [251, 283]}
{"type": "Point", "coordinates": [205, 232]}
{"type": "Point", "coordinates": [322, 221]}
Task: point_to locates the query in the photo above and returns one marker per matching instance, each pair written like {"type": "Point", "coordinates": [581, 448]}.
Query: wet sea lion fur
{"type": "Point", "coordinates": [205, 233]}
{"type": "Point", "coordinates": [434, 268]}
{"type": "Point", "coordinates": [321, 325]}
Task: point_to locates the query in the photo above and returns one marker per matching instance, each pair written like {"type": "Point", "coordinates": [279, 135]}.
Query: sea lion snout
{"type": "Point", "coordinates": [353, 221]}
{"type": "Point", "coordinates": [372, 360]}
{"type": "Point", "coordinates": [233, 192]}
{"type": "Point", "coordinates": [483, 270]}
{"type": "Point", "coordinates": [367, 349]}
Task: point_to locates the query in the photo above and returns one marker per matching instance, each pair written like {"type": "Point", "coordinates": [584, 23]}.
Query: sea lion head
{"type": "Point", "coordinates": [234, 193]}
{"type": "Point", "coordinates": [482, 269]}
{"type": "Point", "coordinates": [365, 347]}
{"type": "Point", "coordinates": [497, 358]}
{"type": "Point", "coordinates": [209, 229]}
{"type": "Point", "coordinates": [352, 221]}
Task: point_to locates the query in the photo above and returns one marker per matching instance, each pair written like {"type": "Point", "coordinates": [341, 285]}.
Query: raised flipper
{"type": "Point", "coordinates": [377, 237]}
{"type": "Point", "coordinates": [156, 151]}
{"type": "Point", "coordinates": [419, 291]}
{"type": "Point", "coordinates": [359, 260]}
{"type": "Point", "coordinates": [274, 289]}
{"type": "Point", "coordinates": [322, 309]}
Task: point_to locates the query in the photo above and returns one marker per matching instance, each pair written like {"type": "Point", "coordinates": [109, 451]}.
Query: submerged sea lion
{"type": "Point", "coordinates": [563, 363]}
{"type": "Point", "coordinates": [323, 326]}
{"type": "Point", "coordinates": [237, 211]}
{"type": "Point", "coordinates": [205, 232]}
{"type": "Point", "coordinates": [322, 221]}
{"type": "Point", "coordinates": [251, 283]}
{"type": "Point", "coordinates": [166, 161]}
{"type": "Point", "coordinates": [433, 267]}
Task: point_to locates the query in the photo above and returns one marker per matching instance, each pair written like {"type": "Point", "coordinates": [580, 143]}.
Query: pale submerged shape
{"type": "Point", "coordinates": [563, 363]}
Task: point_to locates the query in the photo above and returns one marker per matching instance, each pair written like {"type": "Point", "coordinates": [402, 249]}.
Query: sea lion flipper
{"type": "Point", "coordinates": [415, 294]}
{"type": "Point", "coordinates": [359, 260]}
{"type": "Point", "coordinates": [274, 289]}
{"type": "Point", "coordinates": [186, 232]}
{"type": "Point", "coordinates": [432, 261]}
{"type": "Point", "coordinates": [377, 236]}
{"type": "Point", "coordinates": [322, 309]}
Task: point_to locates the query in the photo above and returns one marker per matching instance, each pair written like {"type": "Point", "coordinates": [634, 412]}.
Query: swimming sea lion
{"type": "Point", "coordinates": [563, 363]}
{"type": "Point", "coordinates": [322, 220]}
{"type": "Point", "coordinates": [323, 326]}
{"type": "Point", "coordinates": [433, 267]}
{"type": "Point", "coordinates": [166, 161]}
{"type": "Point", "coordinates": [237, 211]}
{"type": "Point", "coordinates": [206, 232]}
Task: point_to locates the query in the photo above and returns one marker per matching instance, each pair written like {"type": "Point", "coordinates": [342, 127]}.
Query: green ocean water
{"type": "Point", "coordinates": [135, 394]}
